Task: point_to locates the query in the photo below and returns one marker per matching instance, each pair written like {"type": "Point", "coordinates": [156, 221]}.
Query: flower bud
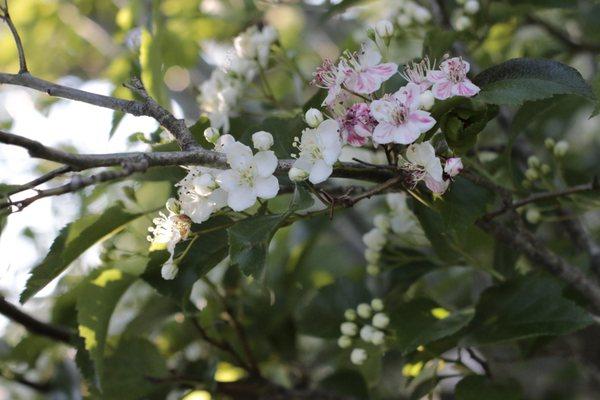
{"type": "Point", "coordinates": [533, 215]}
{"type": "Point", "coordinates": [373, 269]}
{"type": "Point", "coordinates": [374, 239]}
{"type": "Point", "coordinates": [426, 100]}
{"type": "Point", "coordinates": [384, 29]}
{"type": "Point", "coordinates": [348, 328]}
{"type": "Point", "coordinates": [382, 222]}
{"type": "Point", "coordinates": [262, 140]}
{"type": "Point", "coordinates": [344, 342]}
{"type": "Point", "coordinates": [462, 23]}
{"type": "Point", "coordinates": [358, 356]}
{"type": "Point", "coordinates": [526, 184]}
{"type": "Point", "coordinates": [421, 15]}
{"type": "Point", "coordinates": [531, 174]}
{"type": "Point", "coordinates": [371, 34]}
{"type": "Point", "coordinates": [366, 332]}
{"type": "Point", "coordinates": [297, 174]}
{"type": "Point", "coordinates": [545, 168]}
{"type": "Point", "coordinates": [549, 143]}
{"type": "Point", "coordinates": [223, 141]}
{"type": "Point", "coordinates": [364, 310]}
{"type": "Point", "coordinates": [472, 7]}
{"type": "Point", "coordinates": [404, 20]}
{"type": "Point", "coordinates": [453, 166]}
{"type": "Point", "coordinates": [381, 320]}
{"type": "Point", "coordinates": [313, 117]}
{"type": "Point", "coordinates": [211, 134]}
{"type": "Point", "coordinates": [372, 256]}
{"type": "Point", "coordinates": [561, 148]}
{"type": "Point", "coordinates": [350, 314]}
{"type": "Point", "coordinates": [533, 162]}
{"type": "Point", "coordinates": [377, 304]}
{"type": "Point", "coordinates": [169, 270]}
{"type": "Point", "coordinates": [377, 338]}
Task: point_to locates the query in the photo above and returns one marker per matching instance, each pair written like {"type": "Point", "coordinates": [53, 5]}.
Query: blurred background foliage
{"type": "Point", "coordinates": [142, 338]}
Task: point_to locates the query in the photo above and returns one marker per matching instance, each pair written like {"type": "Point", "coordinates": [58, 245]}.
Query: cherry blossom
{"type": "Point", "coordinates": [319, 149]}
{"type": "Point", "coordinates": [250, 176]}
{"type": "Point", "coordinates": [451, 80]}
{"type": "Point", "coordinates": [400, 120]}
{"type": "Point", "coordinates": [364, 72]}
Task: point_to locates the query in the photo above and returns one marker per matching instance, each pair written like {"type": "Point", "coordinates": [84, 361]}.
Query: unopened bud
{"type": "Point", "coordinates": [549, 143]}
{"type": "Point", "coordinates": [377, 304]}
{"type": "Point", "coordinates": [350, 314]}
{"type": "Point", "coordinates": [422, 15]}
{"type": "Point", "coordinates": [169, 270]}
{"type": "Point", "coordinates": [545, 168]}
{"type": "Point", "coordinates": [531, 174]}
{"type": "Point", "coordinates": [384, 28]}
{"type": "Point", "coordinates": [426, 100]}
{"type": "Point", "coordinates": [262, 140]}
{"type": "Point", "coordinates": [472, 7]}
{"type": "Point", "coordinates": [358, 356]}
{"type": "Point", "coordinates": [344, 342]}
{"type": "Point", "coordinates": [348, 328]}
{"type": "Point", "coordinates": [561, 148]}
{"type": "Point", "coordinates": [533, 216]}
{"type": "Point", "coordinates": [377, 338]}
{"type": "Point", "coordinates": [297, 174]}
{"type": "Point", "coordinates": [382, 222]}
{"type": "Point", "coordinates": [533, 162]}
{"type": "Point", "coordinates": [313, 117]}
{"type": "Point", "coordinates": [404, 20]}
{"type": "Point", "coordinates": [381, 320]}
{"type": "Point", "coordinates": [211, 135]}
{"type": "Point", "coordinates": [364, 310]}
{"type": "Point", "coordinates": [373, 269]}
{"type": "Point", "coordinates": [462, 23]}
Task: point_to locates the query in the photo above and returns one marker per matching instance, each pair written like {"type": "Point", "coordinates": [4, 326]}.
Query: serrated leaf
{"type": "Point", "coordinates": [72, 241]}
{"type": "Point", "coordinates": [135, 365]}
{"type": "Point", "coordinates": [477, 387]}
{"type": "Point", "coordinates": [525, 308]}
{"type": "Point", "coordinates": [463, 204]}
{"type": "Point", "coordinates": [418, 323]}
{"type": "Point", "coordinates": [96, 301]}
{"type": "Point", "coordinates": [519, 80]}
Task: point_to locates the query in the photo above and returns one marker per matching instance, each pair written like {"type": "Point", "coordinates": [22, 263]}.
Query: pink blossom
{"type": "Point", "coordinates": [357, 125]}
{"type": "Point", "coordinates": [417, 73]}
{"type": "Point", "coordinates": [329, 76]}
{"type": "Point", "coordinates": [451, 80]}
{"type": "Point", "coordinates": [364, 72]}
{"type": "Point", "coordinates": [453, 166]}
{"type": "Point", "coordinates": [400, 120]}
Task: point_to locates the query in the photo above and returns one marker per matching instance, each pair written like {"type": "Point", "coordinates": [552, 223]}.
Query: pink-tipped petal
{"type": "Point", "coordinates": [466, 88]}
{"type": "Point", "coordinates": [383, 133]}
{"type": "Point", "coordinates": [422, 120]}
{"type": "Point", "coordinates": [436, 76]}
{"type": "Point", "coordinates": [442, 90]}
{"type": "Point", "coordinates": [406, 133]}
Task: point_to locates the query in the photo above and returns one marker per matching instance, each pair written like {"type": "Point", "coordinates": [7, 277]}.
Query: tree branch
{"type": "Point", "coordinates": [34, 325]}
{"type": "Point", "coordinates": [42, 179]}
{"type": "Point", "coordinates": [562, 36]}
{"type": "Point", "coordinates": [5, 15]}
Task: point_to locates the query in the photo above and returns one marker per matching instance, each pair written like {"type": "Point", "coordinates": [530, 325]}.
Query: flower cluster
{"type": "Point", "coordinates": [204, 191]}
{"type": "Point", "coordinates": [359, 113]}
{"type": "Point", "coordinates": [462, 18]}
{"type": "Point", "coordinates": [220, 95]}
{"type": "Point", "coordinates": [411, 13]}
{"type": "Point", "coordinates": [400, 221]}
{"type": "Point", "coordinates": [366, 324]}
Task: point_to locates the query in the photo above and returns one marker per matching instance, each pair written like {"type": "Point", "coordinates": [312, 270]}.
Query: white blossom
{"type": "Point", "coordinates": [250, 176]}
{"type": "Point", "coordinates": [319, 149]}
{"type": "Point", "coordinates": [472, 7]}
{"type": "Point", "coordinates": [200, 195]}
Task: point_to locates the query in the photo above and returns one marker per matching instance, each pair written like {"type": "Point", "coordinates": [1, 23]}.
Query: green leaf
{"type": "Point", "coordinates": [525, 308]}
{"type": "Point", "coordinates": [519, 80]}
{"type": "Point", "coordinates": [133, 365]}
{"type": "Point", "coordinates": [96, 301]}
{"type": "Point", "coordinates": [422, 321]}
{"type": "Point", "coordinates": [477, 387]}
{"type": "Point", "coordinates": [325, 312]}
{"type": "Point", "coordinates": [434, 227]}
{"type": "Point", "coordinates": [301, 199]}
{"type": "Point", "coordinates": [116, 121]}
{"type": "Point", "coordinates": [151, 65]}
{"type": "Point", "coordinates": [346, 382]}
{"type": "Point", "coordinates": [463, 204]}
{"type": "Point", "coordinates": [72, 241]}
{"type": "Point", "coordinates": [204, 251]}
{"type": "Point", "coordinates": [596, 88]}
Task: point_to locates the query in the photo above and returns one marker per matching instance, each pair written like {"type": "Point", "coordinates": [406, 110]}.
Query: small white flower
{"type": "Point", "coordinates": [366, 333]}
{"type": "Point", "coordinates": [250, 176]}
{"type": "Point", "coordinates": [382, 222]}
{"type": "Point", "coordinates": [169, 270]}
{"type": "Point", "coordinates": [211, 134]}
{"type": "Point", "coordinates": [319, 149]}
{"type": "Point", "coordinates": [384, 29]}
{"type": "Point", "coordinates": [313, 117]}
{"type": "Point", "coordinates": [377, 304]}
{"type": "Point", "coordinates": [348, 328]}
{"type": "Point", "coordinates": [472, 7]}
{"type": "Point", "coordinates": [378, 338]}
{"type": "Point", "coordinates": [262, 140]}
{"type": "Point", "coordinates": [200, 195]}
{"type": "Point", "coordinates": [297, 174]}
{"type": "Point", "coordinates": [344, 342]}
{"type": "Point", "coordinates": [561, 148]}
{"type": "Point", "coordinates": [374, 239]}
{"type": "Point", "coordinates": [381, 320]}
{"type": "Point", "coordinates": [426, 166]}
{"type": "Point", "coordinates": [350, 314]}
{"type": "Point", "coordinates": [364, 310]}
{"type": "Point", "coordinates": [358, 356]}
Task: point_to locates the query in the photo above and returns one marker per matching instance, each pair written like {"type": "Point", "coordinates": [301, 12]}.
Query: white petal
{"type": "Point", "coordinates": [229, 180]}
{"type": "Point", "coordinates": [265, 162]}
{"type": "Point", "coordinates": [241, 198]}
{"type": "Point", "coordinates": [239, 156]}
{"type": "Point", "coordinates": [320, 172]}
{"type": "Point", "coordinates": [369, 55]}
{"type": "Point", "coordinates": [266, 188]}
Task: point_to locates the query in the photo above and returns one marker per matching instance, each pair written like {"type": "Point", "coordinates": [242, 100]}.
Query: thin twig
{"type": "Point", "coordinates": [13, 29]}
{"type": "Point", "coordinates": [42, 179]}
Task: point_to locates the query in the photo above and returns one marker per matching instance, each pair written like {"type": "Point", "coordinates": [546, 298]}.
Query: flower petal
{"type": "Point", "coordinates": [266, 188]}
{"type": "Point", "coordinates": [435, 186]}
{"type": "Point", "coordinates": [465, 88]}
{"type": "Point", "coordinates": [266, 163]}
{"type": "Point", "coordinates": [422, 120]}
{"type": "Point", "coordinates": [229, 180]}
{"type": "Point", "coordinates": [239, 156]}
{"type": "Point", "coordinates": [241, 198]}
{"type": "Point", "coordinates": [442, 90]}
{"type": "Point", "coordinates": [384, 133]}
{"type": "Point", "coordinates": [320, 172]}
{"type": "Point", "coordinates": [406, 133]}
{"type": "Point", "coordinates": [435, 76]}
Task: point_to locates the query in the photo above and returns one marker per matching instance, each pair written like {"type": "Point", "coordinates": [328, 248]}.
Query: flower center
{"type": "Point", "coordinates": [456, 71]}
{"type": "Point", "coordinates": [399, 114]}
{"type": "Point", "coordinates": [247, 176]}
{"type": "Point", "coordinates": [325, 76]}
